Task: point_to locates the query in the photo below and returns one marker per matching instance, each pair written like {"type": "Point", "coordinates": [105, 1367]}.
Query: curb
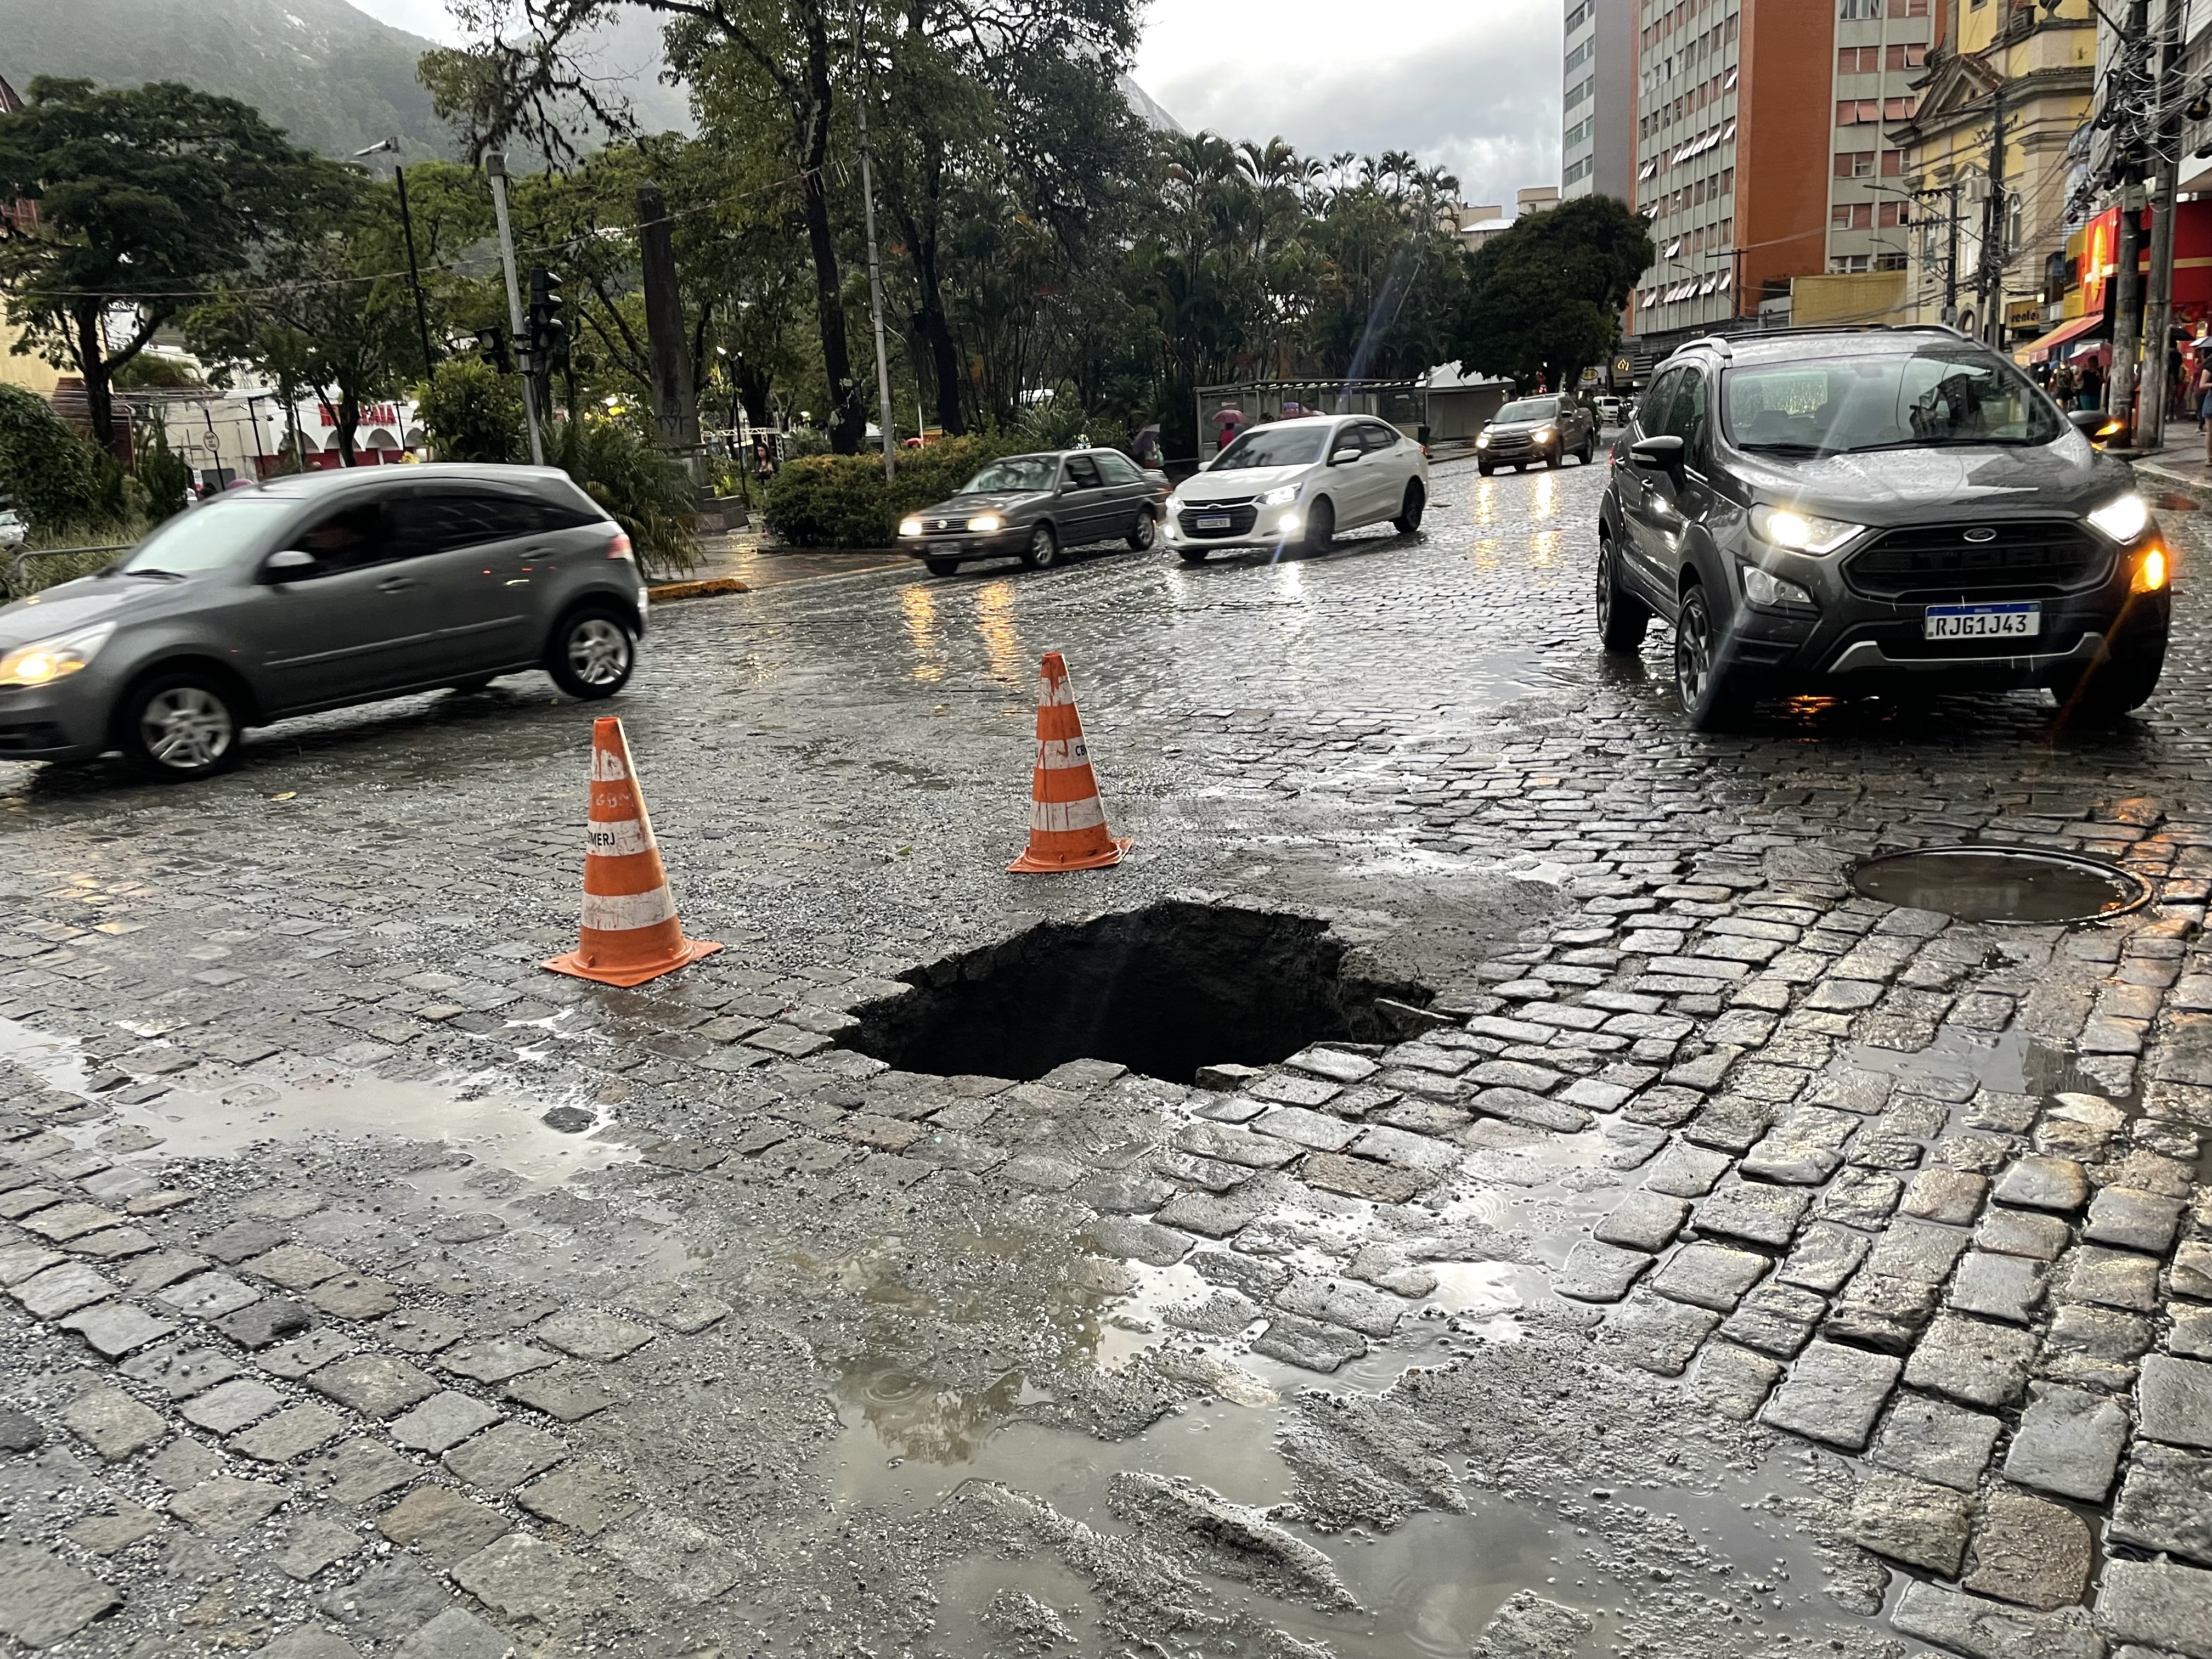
{"type": "Point", "coordinates": [707, 588]}
{"type": "Point", "coordinates": [2199, 488]}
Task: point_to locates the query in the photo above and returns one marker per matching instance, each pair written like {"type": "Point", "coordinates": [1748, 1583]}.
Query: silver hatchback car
{"type": "Point", "coordinates": [315, 592]}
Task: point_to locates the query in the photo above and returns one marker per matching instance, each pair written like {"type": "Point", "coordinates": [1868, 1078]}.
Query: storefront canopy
{"type": "Point", "coordinates": [2039, 350]}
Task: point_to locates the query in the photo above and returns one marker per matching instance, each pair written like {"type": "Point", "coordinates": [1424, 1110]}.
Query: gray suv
{"type": "Point", "coordinates": [1876, 510]}
{"type": "Point", "coordinates": [313, 592]}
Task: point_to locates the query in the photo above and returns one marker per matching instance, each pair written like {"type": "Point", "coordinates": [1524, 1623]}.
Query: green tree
{"type": "Point", "coordinates": [1544, 299]}
{"type": "Point", "coordinates": [145, 199]}
{"type": "Point", "coordinates": [472, 412]}
{"type": "Point", "coordinates": [45, 469]}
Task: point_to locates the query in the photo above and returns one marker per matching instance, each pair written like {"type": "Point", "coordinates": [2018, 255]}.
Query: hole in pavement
{"type": "Point", "coordinates": [1163, 990]}
{"type": "Point", "coordinates": [2002, 883]}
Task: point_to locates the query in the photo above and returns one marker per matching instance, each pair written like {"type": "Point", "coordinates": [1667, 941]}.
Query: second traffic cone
{"type": "Point", "coordinates": [1067, 820]}
{"type": "Point", "coordinates": [630, 934]}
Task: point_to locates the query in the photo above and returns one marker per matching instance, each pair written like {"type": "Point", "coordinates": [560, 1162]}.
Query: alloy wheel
{"type": "Point", "coordinates": [187, 728]}
{"type": "Point", "coordinates": [1693, 651]}
{"type": "Point", "coordinates": [598, 651]}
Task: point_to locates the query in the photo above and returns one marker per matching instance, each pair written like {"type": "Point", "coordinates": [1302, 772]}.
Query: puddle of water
{"type": "Point", "coordinates": [2001, 884]}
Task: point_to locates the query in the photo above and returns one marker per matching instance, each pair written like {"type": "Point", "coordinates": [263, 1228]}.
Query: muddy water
{"type": "Point", "coordinates": [2001, 885]}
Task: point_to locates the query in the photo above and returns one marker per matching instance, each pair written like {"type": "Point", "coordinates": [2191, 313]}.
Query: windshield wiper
{"type": "Point", "coordinates": [1785, 448]}
{"type": "Point", "coordinates": [1945, 443]}
{"type": "Point", "coordinates": [157, 575]}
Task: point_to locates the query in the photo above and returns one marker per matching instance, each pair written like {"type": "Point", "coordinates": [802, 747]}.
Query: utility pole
{"type": "Point", "coordinates": [2127, 296]}
{"type": "Point", "coordinates": [886, 422]}
{"type": "Point", "coordinates": [407, 232]}
{"type": "Point", "coordinates": [1951, 260]}
{"type": "Point", "coordinates": [495, 168]}
{"type": "Point", "coordinates": [675, 400]}
{"type": "Point", "coordinates": [2158, 310]}
{"type": "Point", "coordinates": [1995, 254]}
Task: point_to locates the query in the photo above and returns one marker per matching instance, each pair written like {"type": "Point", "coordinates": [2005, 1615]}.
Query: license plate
{"type": "Point", "coordinates": [1216, 523]}
{"type": "Point", "coordinates": [1982, 622]}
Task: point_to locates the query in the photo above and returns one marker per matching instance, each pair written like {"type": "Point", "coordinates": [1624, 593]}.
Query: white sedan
{"type": "Point", "coordinates": [1297, 483]}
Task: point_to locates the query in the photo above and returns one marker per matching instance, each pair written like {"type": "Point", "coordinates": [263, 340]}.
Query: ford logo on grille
{"type": "Point", "coordinates": [1984, 534]}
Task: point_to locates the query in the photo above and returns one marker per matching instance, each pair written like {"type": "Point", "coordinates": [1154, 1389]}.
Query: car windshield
{"type": "Point", "coordinates": [1940, 397]}
{"type": "Point", "coordinates": [206, 537]}
{"type": "Point", "coordinates": [1530, 408]}
{"type": "Point", "coordinates": [1273, 446]}
{"type": "Point", "coordinates": [1015, 472]}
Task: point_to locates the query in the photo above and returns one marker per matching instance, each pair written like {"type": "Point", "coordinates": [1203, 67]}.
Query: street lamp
{"type": "Point", "coordinates": [407, 230]}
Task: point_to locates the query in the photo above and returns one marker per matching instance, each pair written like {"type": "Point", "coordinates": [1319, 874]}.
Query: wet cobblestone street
{"type": "Point", "coordinates": [1632, 1240]}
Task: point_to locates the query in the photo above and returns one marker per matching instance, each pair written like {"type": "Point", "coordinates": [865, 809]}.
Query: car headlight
{"type": "Point", "coordinates": [1544, 434]}
{"type": "Point", "coordinates": [1800, 532]}
{"type": "Point", "coordinates": [1482, 441]}
{"type": "Point", "coordinates": [2124, 518]}
{"type": "Point", "coordinates": [910, 527]}
{"type": "Point", "coordinates": [43, 661]}
{"type": "Point", "coordinates": [1282, 497]}
{"type": "Point", "coordinates": [1762, 588]}
{"type": "Point", "coordinates": [984, 523]}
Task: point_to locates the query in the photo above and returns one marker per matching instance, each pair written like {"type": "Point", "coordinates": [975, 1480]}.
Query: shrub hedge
{"type": "Point", "coordinates": [845, 501]}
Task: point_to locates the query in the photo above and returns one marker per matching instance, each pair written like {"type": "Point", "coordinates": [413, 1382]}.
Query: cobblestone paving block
{"type": "Point", "coordinates": [1879, 1310]}
{"type": "Point", "coordinates": [183, 1463]}
{"type": "Point", "coordinates": [582, 1497]}
{"type": "Point", "coordinates": [1232, 1145]}
{"type": "Point", "coordinates": [355, 1295]}
{"type": "Point", "coordinates": [1936, 1441]}
{"type": "Point", "coordinates": [2110, 1279]}
{"type": "Point", "coordinates": [1832, 1395]}
{"type": "Point", "coordinates": [1294, 1092]}
{"type": "Point", "coordinates": [231, 1405]}
{"type": "Point", "coordinates": [1123, 1193]}
{"type": "Point", "coordinates": [355, 1472]}
{"type": "Point", "coordinates": [1600, 1272]}
{"type": "Point", "coordinates": [1973, 1362]}
{"type": "Point", "coordinates": [20, 1262]}
{"type": "Point", "coordinates": [2037, 1183]}
{"type": "Point", "coordinates": [1775, 1319]}
{"type": "Point", "coordinates": [418, 1331]}
{"type": "Point", "coordinates": [2191, 1334]}
{"type": "Point", "coordinates": [294, 1360]}
{"type": "Point", "coordinates": [128, 1523]}
{"type": "Point", "coordinates": [1531, 1110]}
{"type": "Point", "coordinates": [502, 1458]}
{"type": "Point", "coordinates": [1049, 1175]}
{"type": "Point", "coordinates": [181, 1371]}
{"type": "Point", "coordinates": [1824, 1257]}
{"type": "Point", "coordinates": [161, 1269]}
{"type": "Point", "coordinates": [242, 1239]}
{"type": "Point", "coordinates": [2167, 1607]}
{"type": "Point", "coordinates": [2068, 1443]}
{"type": "Point", "coordinates": [268, 1321]}
{"type": "Point", "coordinates": [442, 1523]}
{"type": "Point", "coordinates": [1138, 1241]}
{"type": "Point", "coordinates": [114, 1424]}
{"type": "Point", "coordinates": [2174, 1401]}
{"type": "Point", "coordinates": [1709, 1275]}
{"type": "Point", "coordinates": [44, 1601]}
{"type": "Point", "coordinates": [1211, 1217]}
{"type": "Point", "coordinates": [1910, 1521]}
{"type": "Point", "coordinates": [492, 1361]}
{"type": "Point", "coordinates": [2191, 1274]}
{"type": "Point", "coordinates": [456, 1633]}
{"type": "Point", "coordinates": [1735, 1382]}
{"type": "Point", "coordinates": [1353, 1177]}
{"type": "Point", "coordinates": [289, 1434]}
{"type": "Point", "coordinates": [63, 1222]}
{"type": "Point", "coordinates": [391, 1600]}
{"type": "Point", "coordinates": [62, 1290]}
{"type": "Point", "coordinates": [1861, 1198]}
{"type": "Point", "coordinates": [1685, 1170]}
{"type": "Point", "coordinates": [1778, 1157]}
{"type": "Point", "coordinates": [115, 1328]}
{"type": "Point", "coordinates": [1730, 1123]}
{"type": "Point", "coordinates": [1316, 1130]}
{"type": "Point", "coordinates": [2165, 1503]}
{"type": "Point", "coordinates": [1421, 1117]}
{"type": "Point", "coordinates": [1659, 1335]}
{"type": "Point", "coordinates": [293, 1267]}
{"type": "Point", "coordinates": [2007, 1287]}
{"type": "Point", "coordinates": [1752, 1211]}
{"type": "Point", "coordinates": [568, 1392]}
{"type": "Point", "coordinates": [1983, 1629]}
{"type": "Point", "coordinates": [1917, 1250]}
{"type": "Point", "coordinates": [2098, 1346]}
{"type": "Point", "coordinates": [1307, 1343]}
{"type": "Point", "coordinates": [524, 1577]}
{"type": "Point", "coordinates": [1337, 1065]}
{"type": "Point", "coordinates": [2133, 1220]}
{"type": "Point", "coordinates": [1644, 1221]}
{"type": "Point", "coordinates": [592, 1335]}
{"type": "Point", "coordinates": [210, 1296]}
{"type": "Point", "coordinates": [223, 1506]}
{"type": "Point", "coordinates": [1336, 1302]}
{"type": "Point", "coordinates": [316, 1543]}
{"type": "Point", "coordinates": [2029, 1550]}
{"type": "Point", "coordinates": [1953, 1196]}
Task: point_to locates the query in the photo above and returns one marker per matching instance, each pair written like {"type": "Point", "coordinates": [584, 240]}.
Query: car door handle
{"type": "Point", "coordinates": [395, 584]}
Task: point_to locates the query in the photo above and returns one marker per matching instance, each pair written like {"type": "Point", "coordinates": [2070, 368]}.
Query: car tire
{"type": "Point", "coordinates": [1043, 550]}
{"type": "Point", "coordinates": [181, 725]}
{"type": "Point", "coordinates": [593, 651]}
{"type": "Point", "coordinates": [2111, 689]}
{"type": "Point", "coordinates": [1321, 526]}
{"type": "Point", "coordinates": [1485, 469]}
{"type": "Point", "coordinates": [1409, 514]}
{"type": "Point", "coordinates": [1191, 555]}
{"type": "Point", "coordinates": [942, 566]}
{"type": "Point", "coordinates": [1143, 532]}
{"type": "Point", "coordinates": [1621, 617]}
{"type": "Point", "coordinates": [1555, 461]}
{"type": "Point", "coordinates": [1711, 698]}
{"type": "Point", "coordinates": [1588, 453]}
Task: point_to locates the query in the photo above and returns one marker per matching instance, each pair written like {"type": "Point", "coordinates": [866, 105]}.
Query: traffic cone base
{"type": "Point", "coordinates": [1068, 820]}
{"type": "Point", "coordinates": [630, 933]}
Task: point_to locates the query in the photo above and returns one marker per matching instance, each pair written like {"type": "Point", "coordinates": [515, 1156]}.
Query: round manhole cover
{"type": "Point", "coordinates": [2000, 884]}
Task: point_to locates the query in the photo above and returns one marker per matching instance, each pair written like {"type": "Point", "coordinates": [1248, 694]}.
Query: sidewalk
{"type": "Point", "coordinates": [2178, 464]}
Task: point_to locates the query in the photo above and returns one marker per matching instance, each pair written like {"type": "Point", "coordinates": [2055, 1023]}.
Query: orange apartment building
{"type": "Point", "coordinates": [1759, 149]}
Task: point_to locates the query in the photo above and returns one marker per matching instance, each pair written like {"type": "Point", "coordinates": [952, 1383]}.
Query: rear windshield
{"type": "Point", "coordinates": [1528, 409]}
{"type": "Point", "coordinates": [1942, 396]}
{"type": "Point", "coordinates": [208, 536]}
{"type": "Point", "coordinates": [1273, 446]}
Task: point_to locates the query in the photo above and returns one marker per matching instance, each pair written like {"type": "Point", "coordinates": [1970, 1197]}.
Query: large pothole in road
{"type": "Point", "coordinates": [1164, 991]}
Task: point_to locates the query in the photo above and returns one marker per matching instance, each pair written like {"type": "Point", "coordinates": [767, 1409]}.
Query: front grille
{"type": "Point", "coordinates": [2027, 559]}
{"type": "Point", "coordinates": [1241, 516]}
{"type": "Point", "coordinates": [27, 735]}
{"type": "Point", "coordinates": [939, 527]}
{"type": "Point", "coordinates": [1511, 440]}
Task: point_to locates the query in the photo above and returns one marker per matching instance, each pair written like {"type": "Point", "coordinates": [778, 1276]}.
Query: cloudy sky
{"type": "Point", "coordinates": [1472, 86]}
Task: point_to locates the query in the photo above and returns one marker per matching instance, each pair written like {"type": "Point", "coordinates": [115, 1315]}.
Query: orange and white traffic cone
{"type": "Point", "coordinates": [630, 934]}
{"type": "Point", "coordinates": [1067, 820]}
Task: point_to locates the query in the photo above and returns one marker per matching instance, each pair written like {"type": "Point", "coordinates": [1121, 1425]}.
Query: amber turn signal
{"type": "Point", "coordinates": [2152, 571]}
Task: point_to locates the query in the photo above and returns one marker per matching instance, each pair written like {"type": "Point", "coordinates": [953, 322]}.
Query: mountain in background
{"type": "Point", "coordinates": [334, 78]}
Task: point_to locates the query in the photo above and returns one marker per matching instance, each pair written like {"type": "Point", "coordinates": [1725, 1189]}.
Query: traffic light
{"type": "Point", "coordinates": [492, 342]}
{"type": "Point", "coordinates": [549, 335]}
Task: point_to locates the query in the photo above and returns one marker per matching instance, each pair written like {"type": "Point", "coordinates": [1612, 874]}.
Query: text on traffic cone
{"type": "Point", "coordinates": [1067, 820]}
{"type": "Point", "coordinates": [630, 934]}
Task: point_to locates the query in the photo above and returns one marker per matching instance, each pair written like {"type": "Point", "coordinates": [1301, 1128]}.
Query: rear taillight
{"type": "Point", "coordinates": [619, 547]}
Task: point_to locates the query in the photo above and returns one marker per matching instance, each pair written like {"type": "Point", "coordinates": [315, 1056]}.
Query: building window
{"type": "Point", "coordinates": [1906, 57]}
{"type": "Point", "coordinates": [1578, 169]}
{"type": "Point", "coordinates": [1896, 109]}
{"type": "Point", "coordinates": [1576, 95]}
{"type": "Point", "coordinates": [1842, 263]}
{"type": "Point", "coordinates": [1859, 11]}
{"type": "Point", "coordinates": [1861, 112]}
{"type": "Point", "coordinates": [1853, 164]}
{"type": "Point", "coordinates": [1576, 18]}
{"type": "Point", "coordinates": [1908, 8]}
{"type": "Point", "coordinates": [1893, 163]}
{"type": "Point", "coordinates": [1889, 262]}
{"type": "Point", "coordinates": [1892, 213]}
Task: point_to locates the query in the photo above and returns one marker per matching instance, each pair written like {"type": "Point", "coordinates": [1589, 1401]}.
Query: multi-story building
{"type": "Point", "coordinates": [1597, 146]}
{"type": "Point", "coordinates": [1880, 55]}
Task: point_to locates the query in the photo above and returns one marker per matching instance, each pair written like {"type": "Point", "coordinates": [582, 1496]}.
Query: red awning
{"type": "Point", "coordinates": [2039, 350]}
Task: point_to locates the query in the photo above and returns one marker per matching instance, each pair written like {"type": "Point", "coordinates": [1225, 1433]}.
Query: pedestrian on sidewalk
{"type": "Point", "coordinates": [2091, 381]}
{"type": "Point", "coordinates": [2200, 392]}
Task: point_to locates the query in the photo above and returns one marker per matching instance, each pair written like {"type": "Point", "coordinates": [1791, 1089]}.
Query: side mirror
{"type": "Point", "coordinates": [1345, 457]}
{"type": "Point", "coordinates": [291, 562]}
{"type": "Point", "coordinates": [1661, 454]}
